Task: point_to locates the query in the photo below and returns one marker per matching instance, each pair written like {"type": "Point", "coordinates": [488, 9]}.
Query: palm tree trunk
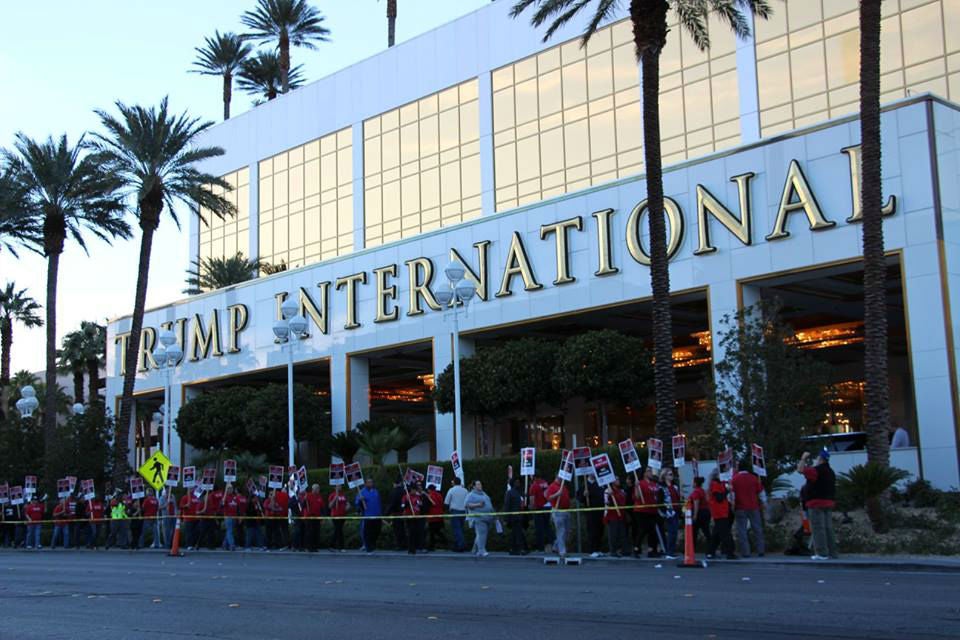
{"type": "Point", "coordinates": [650, 30]}
{"type": "Point", "coordinates": [604, 429]}
{"type": "Point", "coordinates": [284, 63]}
{"type": "Point", "coordinates": [6, 343]}
{"type": "Point", "coordinates": [391, 22]}
{"type": "Point", "coordinates": [78, 385]}
{"type": "Point", "coordinates": [93, 382]}
{"type": "Point", "coordinates": [50, 377]}
{"type": "Point", "coordinates": [121, 445]}
{"type": "Point", "coordinates": [227, 94]}
{"type": "Point", "coordinates": [876, 394]}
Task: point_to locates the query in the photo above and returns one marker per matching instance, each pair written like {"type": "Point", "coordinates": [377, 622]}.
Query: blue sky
{"type": "Point", "coordinates": [60, 60]}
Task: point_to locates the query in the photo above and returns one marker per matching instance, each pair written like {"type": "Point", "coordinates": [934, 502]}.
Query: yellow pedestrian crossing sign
{"type": "Point", "coordinates": [154, 470]}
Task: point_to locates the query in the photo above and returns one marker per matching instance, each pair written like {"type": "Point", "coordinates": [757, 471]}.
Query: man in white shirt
{"type": "Point", "coordinates": [901, 439]}
{"type": "Point", "coordinates": [456, 502]}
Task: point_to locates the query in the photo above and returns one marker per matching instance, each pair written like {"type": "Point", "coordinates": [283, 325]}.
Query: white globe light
{"type": "Point", "coordinates": [78, 408]}
{"type": "Point", "coordinates": [174, 354]}
{"type": "Point", "coordinates": [22, 406]}
{"type": "Point", "coordinates": [160, 355]}
{"type": "Point", "coordinates": [289, 308]}
{"type": "Point", "coordinates": [454, 272]}
{"type": "Point", "coordinates": [443, 295]}
{"type": "Point", "coordinates": [157, 416]}
{"type": "Point", "coordinates": [465, 291]}
{"type": "Point", "coordinates": [298, 325]}
{"type": "Point", "coordinates": [281, 330]}
{"type": "Point", "coordinates": [28, 392]}
{"type": "Point", "coordinates": [167, 337]}
{"type": "Point", "coordinates": [32, 404]}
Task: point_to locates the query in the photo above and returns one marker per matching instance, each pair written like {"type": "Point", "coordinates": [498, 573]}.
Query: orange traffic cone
{"type": "Point", "coordinates": [175, 547]}
{"type": "Point", "coordinates": [689, 552]}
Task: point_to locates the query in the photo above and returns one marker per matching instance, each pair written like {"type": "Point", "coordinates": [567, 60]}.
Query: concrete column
{"type": "Point", "coordinates": [359, 229]}
{"type": "Point", "coordinates": [253, 234]}
{"type": "Point", "coordinates": [725, 299]}
{"type": "Point", "coordinates": [487, 182]}
{"type": "Point", "coordinates": [747, 81]}
{"type": "Point", "coordinates": [442, 358]}
{"type": "Point", "coordinates": [349, 391]}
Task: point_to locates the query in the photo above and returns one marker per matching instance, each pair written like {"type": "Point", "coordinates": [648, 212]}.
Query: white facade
{"type": "Point", "coordinates": [921, 168]}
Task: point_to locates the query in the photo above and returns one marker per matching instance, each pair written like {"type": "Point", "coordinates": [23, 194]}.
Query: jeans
{"type": "Point", "coordinates": [437, 534]}
{"type": "Point", "coordinates": [720, 538]}
{"type": "Point", "coordinates": [91, 534]}
{"type": "Point", "coordinates": [480, 528]}
{"type": "Point", "coordinates": [371, 531]}
{"type": "Point", "coordinates": [60, 531]}
{"type": "Point", "coordinates": [824, 542]}
{"type": "Point", "coordinates": [518, 537]}
{"type": "Point", "coordinates": [595, 531]}
{"type": "Point", "coordinates": [617, 537]}
{"type": "Point", "coordinates": [561, 521]}
{"type": "Point", "coordinates": [672, 526]}
{"type": "Point", "coordinates": [228, 541]}
{"type": "Point", "coordinates": [154, 526]}
{"type": "Point", "coordinates": [254, 535]}
{"type": "Point", "coordinates": [645, 524]}
{"type": "Point", "coordinates": [169, 527]}
{"type": "Point", "coordinates": [336, 541]}
{"type": "Point", "coordinates": [119, 533]}
{"type": "Point", "coordinates": [541, 526]}
{"type": "Point", "coordinates": [457, 523]}
{"type": "Point", "coordinates": [33, 536]}
{"type": "Point", "coordinates": [742, 517]}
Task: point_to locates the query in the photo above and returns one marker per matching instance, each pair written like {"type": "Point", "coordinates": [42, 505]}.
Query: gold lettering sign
{"type": "Point", "coordinates": [517, 264]}
{"type": "Point", "coordinates": [123, 339]}
{"type": "Point", "coordinates": [604, 250]}
{"type": "Point", "coordinates": [559, 230]}
{"type": "Point", "coordinates": [635, 246]}
{"type": "Point", "coordinates": [350, 284]}
{"type": "Point", "coordinates": [853, 155]}
{"type": "Point", "coordinates": [798, 196]}
{"type": "Point", "coordinates": [478, 277]}
{"type": "Point", "coordinates": [148, 340]}
{"type": "Point", "coordinates": [204, 340]}
{"type": "Point", "coordinates": [739, 227]}
{"type": "Point", "coordinates": [238, 322]}
{"type": "Point", "coordinates": [386, 293]}
{"type": "Point", "coordinates": [420, 285]}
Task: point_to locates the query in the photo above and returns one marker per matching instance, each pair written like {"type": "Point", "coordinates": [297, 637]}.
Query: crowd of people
{"type": "Point", "coordinates": [639, 515]}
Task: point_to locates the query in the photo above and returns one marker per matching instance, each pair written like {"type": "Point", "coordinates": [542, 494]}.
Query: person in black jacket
{"type": "Point", "coordinates": [394, 508]}
{"type": "Point", "coordinates": [512, 504]}
{"type": "Point", "coordinates": [591, 496]}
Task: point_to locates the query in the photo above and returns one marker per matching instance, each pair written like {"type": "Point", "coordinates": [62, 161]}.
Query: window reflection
{"type": "Point", "coordinates": [224, 237]}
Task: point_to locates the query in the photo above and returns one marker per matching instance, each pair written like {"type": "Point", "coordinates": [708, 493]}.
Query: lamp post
{"type": "Point", "coordinates": [79, 409]}
{"type": "Point", "coordinates": [167, 354]}
{"type": "Point", "coordinates": [292, 327]}
{"type": "Point", "coordinates": [28, 402]}
{"type": "Point", "coordinates": [458, 292]}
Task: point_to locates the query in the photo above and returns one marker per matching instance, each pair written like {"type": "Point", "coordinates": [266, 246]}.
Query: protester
{"type": "Point", "coordinates": [168, 511]}
{"type": "Point", "coordinates": [435, 522]}
{"type": "Point", "coordinates": [821, 492]}
{"type": "Point", "coordinates": [34, 513]}
{"type": "Point", "coordinates": [718, 500]}
{"type": "Point", "coordinates": [275, 514]}
{"type": "Point", "coordinates": [645, 516]}
{"type": "Point", "coordinates": [747, 490]}
{"type": "Point", "coordinates": [95, 516]}
{"type": "Point", "coordinates": [119, 534]}
{"type": "Point", "coordinates": [512, 504]}
{"type": "Point", "coordinates": [73, 513]}
{"type": "Point", "coordinates": [395, 508]}
{"type": "Point", "coordinates": [368, 504]}
{"type": "Point", "coordinates": [315, 506]}
{"type": "Point", "coordinates": [412, 505]}
{"type": "Point", "coordinates": [337, 503]}
{"type": "Point", "coordinates": [149, 509]}
{"type": "Point", "coordinates": [669, 513]}
{"type": "Point", "coordinates": [296, 506]}
{"type": "Point", "coordinates": [455, 502]}
{"type": "Point", "coordinates": [537, 502]}
{"type": "Point", "coordinates": [254, 528]}
{"type": "Point", "coordinates": [61, 522]}
{"type": "Point", "coordinates": [12, 529]}
{"type": "Point", "coordinates": [478, 506]}
{"type": "Point", "coordinates": [699, 510]}
{"type": "Point", "coordinates": [134, 513]}
{"type": "Point", "coordinates": [230, 512]}
{"type": "Point", "coordinates": [558, 498]}
{"type": "Point", "coordinates": [614, 517]}
{"type": "Point", "coordinates": [590, 496]}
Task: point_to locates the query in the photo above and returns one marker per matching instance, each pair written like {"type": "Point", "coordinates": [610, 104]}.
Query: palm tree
{"type": "Point", "coordinates": [15, 306]}
{"type": "Point", "coordinates": [260, 76]}
{"type": "Point", "coordinates": [84, 351]}
{"type": "Point", "coordinates": [68, 192]}
{"type": "Point", "coordinates": [222, 55]}
{"type": "Point", "coordinates": [208, 274]}
{"type": "Point", "coordinates": [377, 438]}
{"type": "Point", "coordinates": [285, 23]}
{"type": "Point", "coordinates": [344, 445]}
{"type": "Point", "coordinates": [70, 360]}
{"type": "Point", "coordinates": [650, 29]}
{"type": "Point", "coordinates": [876, 396]}
{"type": "Point", "coordinates": [152, 153]}
{"type": "Point", "coordinates": [17, 225]}
{"type": "Point", "coordinates": [391, 22]}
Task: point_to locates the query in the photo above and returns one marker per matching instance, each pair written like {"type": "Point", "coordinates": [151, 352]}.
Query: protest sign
{"type": "Point", "coordinates": [566, 466]}
{"type": "Point", "coordinates": [16, 495]}
{"type": "Point", "coordinates": [251, 487]}
{"type": "Point", "coordinates": [336, 474]}
{"type": "Point", "coordinates": [275, 476]}
{"type": "Point", "coordinates": [655, 454]}
{"type": "Point", "coordinates": [603, 468]}
{"type": "Point", "coordinates": [229, 470]}
{"type": "Point", "coordinates": [412, 476]}
{"type": "Point", "coordinates": [435, 476]}
{"type": "Point", "coordinates": [354, 475]}
{"type": "Point", "coordinates": [302, 478]}
{"type": "Point", "coordinates": [581, 461]}
{"type": "Point", "coordinates": [695, 466]}
{"type": "Point", "coordinates": [455, 462]}
{"type": "Point", "coordinates": [198, 491]}
{"type": "Point", "coordinates": [189, 477]}
{"type": "Point", "coordinates": [88, 489]}
{"type": "Point", "coordinates": [759, 464]}
{"type": "Point", "coordinates": [725, 464]}
{"type": "Point", "coordinates": [136, 488]}
{"type": "Point", "coordinates": [262, 486]}
{"type": "Point", "coordinates": [4, 493]}
{"type": "Point", "coordinates": [72, 480]}
{"type": "Point", "coordinates": [628, 453]}
{"type": "Point", "coordinates": [679, 450]}
{"type": "Point", "coordinates": [528, 461]}
{"type": "Point", "coordinates": [63, 488]}
{"type": "Point", "coordinates": [173, 476]}
{"type": "Point", "coordinates": [209, 478]}
{"type": "Point", "coordinates": [29, 485]}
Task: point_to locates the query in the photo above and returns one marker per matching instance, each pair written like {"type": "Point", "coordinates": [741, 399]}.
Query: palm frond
{"type": "Point", "coordinates": [16, 305]}
{"type": "Point", "coordinates": [208, 274]}
{"type": "Point", "coordinates": [300, 22]}
{"type": "Point", "coordinates": [221, 54]}
{"type": "Point", "coordinates": [260, 76]}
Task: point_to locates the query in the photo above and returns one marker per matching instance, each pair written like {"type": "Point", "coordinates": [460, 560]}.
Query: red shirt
{"type": "Point", "coordinates": [95, 509]}
{"type": "Point", "coordinates": [230, 506]}
{"type": "Point", "coordinates": [150, 507]}
{"type": "Point", "coordinates": [675, 496]}
{"type": "Point", "coordinates": [719, 509]}
{"type": "Point", "coordinates": [614, 497]}
{"type": "Point", "coordinates": [338, 504]}
{"type": "Point", "coordinates": [34, 511]}
{"type": "Point", "coordinates": [411, 504]}
{"type": "Point", "coordinates": [72, 508]}
{"type": "Point", "coordinates": [698, 495]}
{"type": "Point", "coordinates": [241, 504]}
{"type": "Point", "coordinates": [536, 494]}
{"type": "Point", "coordinates": [746, 491]}
{"type": "Point", "coordinates": [563, 500]}
{"type": "Point", "coordinates": [810, 473]}
{"type": "Point", "coordinates": [188, 505]}
{"type": "Point", "coordinates": [645, 496]}
{"type": "Point", "coordinates": [214, 502]}
{"type": "Point", "coordinates": [283, 500]}
{"type": "Point", "coordinates": [435, 508]}
{"type": "Point", "coordinates": [315, 504]}
{"type": "Point", "coordinates": [60, 511]}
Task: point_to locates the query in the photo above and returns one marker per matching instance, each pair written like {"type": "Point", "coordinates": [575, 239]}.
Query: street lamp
{"type": "Point", "coordinates": [457, 292]}
{"type": "Point", "coordinates": [292, 326]}
{"type": "Point", "coordinates": [167, 354]}
{"type": "Point", "coordinates": [28, 402]}
{"type": "Point", "coordinates": [79, 409]}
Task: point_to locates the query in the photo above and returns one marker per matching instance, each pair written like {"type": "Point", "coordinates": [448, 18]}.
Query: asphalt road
{"type": "Point", "coordinates": [118, 595]}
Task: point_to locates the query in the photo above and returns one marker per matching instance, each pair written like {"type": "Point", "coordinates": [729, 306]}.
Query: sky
{"type": "Point", "coordinates": [61, 59]}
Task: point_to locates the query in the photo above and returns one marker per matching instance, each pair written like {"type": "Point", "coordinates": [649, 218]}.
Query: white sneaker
{"type": "Point", "coordinates": [595, 555]}
{"type": "Point", "coordinates": [669, 557]}
{"type": "Point", "coordinates": [816, 557]}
